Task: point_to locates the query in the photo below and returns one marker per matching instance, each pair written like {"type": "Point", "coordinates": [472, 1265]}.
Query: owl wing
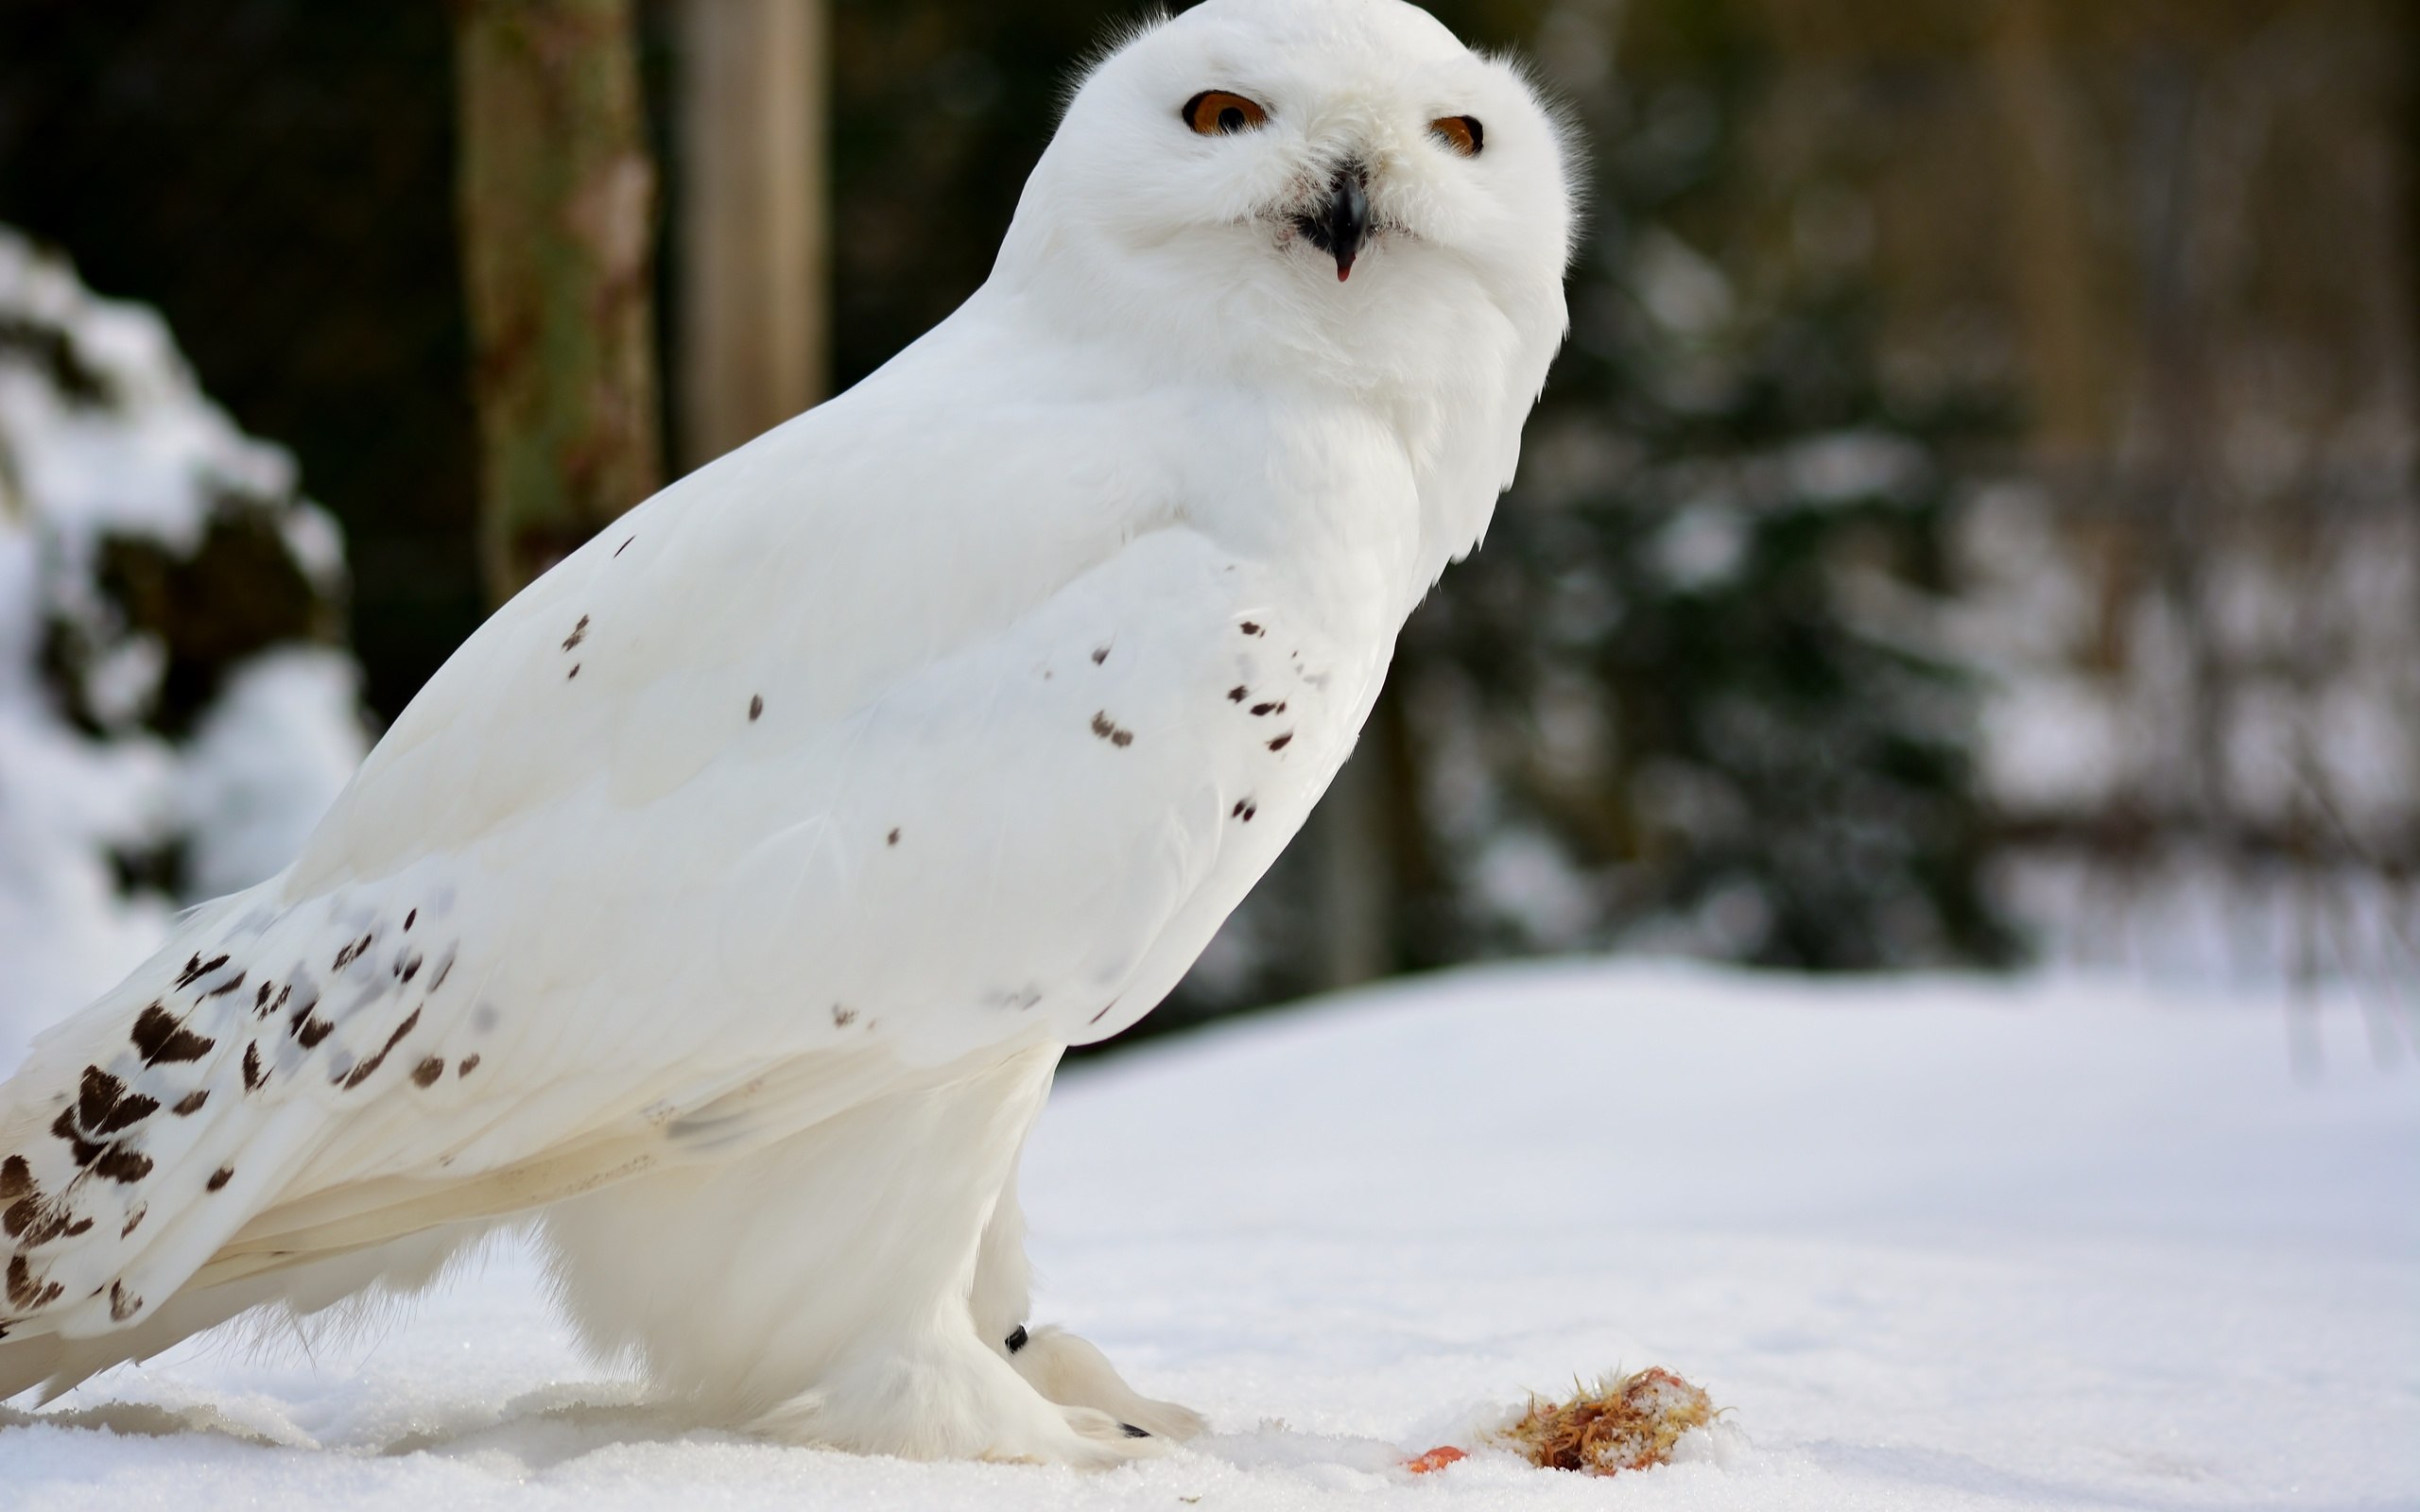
{"type": "Point", "coordinates": [735, 820]}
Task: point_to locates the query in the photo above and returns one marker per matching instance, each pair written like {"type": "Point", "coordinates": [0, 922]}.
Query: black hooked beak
{"type": "Point", "coordinates": [1339, 225]}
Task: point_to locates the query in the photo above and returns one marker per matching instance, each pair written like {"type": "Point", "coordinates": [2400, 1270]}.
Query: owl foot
{"type": "Point", "coordinates": [941, 1399]}
{"type": "Point", "coordinates": [1072, 1373]}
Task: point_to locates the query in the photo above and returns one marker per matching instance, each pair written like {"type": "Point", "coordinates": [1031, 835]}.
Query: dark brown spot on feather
{"type": "Point", "coordinates": [97, 1095]}
{"type": "Point", "coordinates": [573, 673]}
{"type": "Point", "coordinates": [1104, 1010]}
{"type": "Point", "coordinates": [311, 1031]}
{"type": "Point", "coordinates": [31, 1223]}
{"type": "Point", "coordinates": [1108, 730]}
{"type": "Point", "coordinates": [354, 952]}
{"type": "Point", "coordinates": [1261, 709]}
{"type": "Point", "coordinates": [893, 838]}
{"type": "Point", "coordinates": [84, 1150]}
{"type": "Point", "coordinates": [362, 1071]}
{"type": "Point", "coordinates": [260, 999]}
{"type": "Point", "coordinates": [842, 1017]}
{"type": "Point", "coordinates": [470, 1064]}
{"type": "Point", "coordinates": [253, 1075]}
{"type": "Point", "coordinates": [232, 983]}
{"type": "Point", "coordinates": [123, 1303]}
{"type": "Point", "coordinates": [1100, 654]}
{"type": "Point", "coordinates": [1281, 742]}
{"type": "Point", "coordinates": [579, 633]}
{"type": "Point", "coordinates": [1250, 629]}
{"type": "Point", "coordinates": [191, 1103]}
{"type": "Point", "coordinates": [197, 968]}
{"type": "Point", "coordinates": [161, 1038]}
{"type": "Point", "coordinates": [426, 1073]}
{"type": "Point", "coordinates": [624, 546]}
{"type": "Point", "coordinates": [16, 1177]}
{"type": "Point", "coordinates": [410, 919]}
{"type": "Point", "coordinates": [131, 1219]}
{"type": "Point", "coordinates": [25, 1293]}
{"type": "Point", "coordinates": [79, 1226]}
{"type": "Point", "coordinates": [406, 971]}
{"type": "Point", "coordinates": [220, 1177]}
{"type": "Point", "coordinates": [1238, 693]}
{"type": "Point", "coordinates": [105, 1106]}
{"type": "Point", "coordinates": [121, 1164]}
{"type": "Point", "coordinates": [755, 707]}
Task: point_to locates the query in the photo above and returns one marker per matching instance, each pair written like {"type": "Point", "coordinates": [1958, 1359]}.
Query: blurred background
{"type": "Point", "coordinates": [1975, 523]}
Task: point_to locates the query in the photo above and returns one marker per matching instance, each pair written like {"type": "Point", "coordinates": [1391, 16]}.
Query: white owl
{"type": "Point", "coordinates": [723, 907]}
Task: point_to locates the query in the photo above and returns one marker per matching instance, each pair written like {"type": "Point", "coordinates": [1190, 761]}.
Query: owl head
{"type": "Point", "coordinates": [1333, 193]}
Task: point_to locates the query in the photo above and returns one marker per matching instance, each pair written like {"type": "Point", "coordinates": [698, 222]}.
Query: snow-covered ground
{"type": "Point", "coordinates": [1935, 1245]}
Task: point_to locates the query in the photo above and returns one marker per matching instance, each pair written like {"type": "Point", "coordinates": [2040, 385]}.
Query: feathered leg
{"type": "Point", "coordinates": [822, 1289]}
{"type": "Point", "coordinates": [1068, 1369]}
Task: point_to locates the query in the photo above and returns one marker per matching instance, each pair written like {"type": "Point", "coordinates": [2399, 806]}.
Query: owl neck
{"type": "Point", "coordinates": [1441, 371]}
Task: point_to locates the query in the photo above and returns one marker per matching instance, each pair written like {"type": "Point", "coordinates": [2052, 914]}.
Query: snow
{"type": "Point", "coordinates": [1934, 1244]}
{"type": "Point", "coordinates": [104, 435]}
{"type": "Point", "coordinates": [266, 762]}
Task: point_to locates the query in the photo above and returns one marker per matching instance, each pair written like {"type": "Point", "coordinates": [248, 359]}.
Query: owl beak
{"type": "Point", "coordinates": [1341, 221]}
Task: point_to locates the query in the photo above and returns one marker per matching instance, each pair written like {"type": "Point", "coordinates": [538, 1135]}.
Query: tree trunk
{"type": "Point", "coordinates": [1355, 895]}
{"type": "Point", "coordinates": [557, 205]}
{"type": "Point", "coordinates": [752, 213]}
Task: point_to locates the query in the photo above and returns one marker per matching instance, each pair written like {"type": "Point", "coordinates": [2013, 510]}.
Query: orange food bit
{"type": "Point", "coordinates": [1436, 1459]}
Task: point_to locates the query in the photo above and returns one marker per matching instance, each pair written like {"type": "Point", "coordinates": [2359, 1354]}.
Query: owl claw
{"type": "Point", "coordinates": [1073, 1373]}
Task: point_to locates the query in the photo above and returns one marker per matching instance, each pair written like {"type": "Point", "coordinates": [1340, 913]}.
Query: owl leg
{"type": "Point", "coordinates": [1062, 1368]}
{"type": "Point", "coordinates": [821, 1289]}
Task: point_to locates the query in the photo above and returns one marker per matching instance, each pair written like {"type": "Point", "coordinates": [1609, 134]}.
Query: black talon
{"type": "Point", "coordinates": [1132, 1432]}
{"type": "Point", "coordinates": [1016, 1341]}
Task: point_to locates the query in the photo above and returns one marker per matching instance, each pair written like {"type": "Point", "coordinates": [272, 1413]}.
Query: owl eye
{"type": "Point", "coordinates": [1215, 113]}
{"type": "Point", "coordinates": [1462, 133]}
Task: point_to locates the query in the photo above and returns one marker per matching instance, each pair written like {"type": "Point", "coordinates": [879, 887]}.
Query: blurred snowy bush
{"type": "Point", "coordinates": [176, 705]}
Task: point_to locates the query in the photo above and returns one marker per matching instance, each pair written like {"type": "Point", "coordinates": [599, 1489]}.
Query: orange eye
{"type": "Point", "coordinates": [1462, 133]}
{"type": "Point", "coordinates": [1215, 113]}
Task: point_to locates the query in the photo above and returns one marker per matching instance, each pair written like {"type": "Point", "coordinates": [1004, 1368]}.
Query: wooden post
{"type": "Point", "coordinates": [753, 262]}
{"type": "Point", "coordinates": [1354, 892]}
{"type": "Point", "coordinates": [2063, 330]}
{"type": "Point", "coordinates": [557, 203]}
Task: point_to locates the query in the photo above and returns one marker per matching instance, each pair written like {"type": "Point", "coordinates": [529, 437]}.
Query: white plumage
{"type": "Point", "coordinates": [728, 899]}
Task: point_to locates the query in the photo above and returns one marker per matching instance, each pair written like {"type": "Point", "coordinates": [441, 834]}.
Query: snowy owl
{"type": "Point", "coordinates": [721, 909]}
